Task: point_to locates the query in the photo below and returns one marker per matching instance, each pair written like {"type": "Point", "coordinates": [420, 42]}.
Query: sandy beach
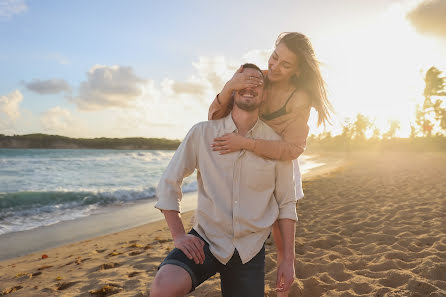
{"type": "Point", "coordinates": [372, 225]}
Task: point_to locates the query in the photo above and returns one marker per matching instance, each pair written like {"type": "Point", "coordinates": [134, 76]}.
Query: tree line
{"type": "Point", "coordinates": [45, 141]}
{"type": "Point", "coordinates": [427, 131]}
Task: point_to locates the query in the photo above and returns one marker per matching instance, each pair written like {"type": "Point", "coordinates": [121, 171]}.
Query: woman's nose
{"type": "Point", "coordinates": [273, 66]}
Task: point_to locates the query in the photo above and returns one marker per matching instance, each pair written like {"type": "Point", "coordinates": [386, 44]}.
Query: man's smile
{"type": "Point", "coordinates": [248, 93]}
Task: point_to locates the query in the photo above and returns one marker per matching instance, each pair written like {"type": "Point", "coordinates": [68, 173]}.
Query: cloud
{"type": "Point", "coordinates": [8, 8]}
{"type": "Point", "coordinates": [9, 110]}
{"type": "Point", "coordinates": [211, 73]}
{"type": "Point", "coordinates": [56, 119]}
{"type": "Point", "coordinates": [52, 86]}
{"type": "Point", "coordinates": [429, 17]}
{"type": "Point", "coordinates": [125, 104]}
{"type": "Point", "coordinates": [214, 72]}
{"type": "Point", "coordinates": [10, 104]}
{"type": "Point", "coordinates": [109, 86]}
{"type": "Point", "coordinates": [194, 88]}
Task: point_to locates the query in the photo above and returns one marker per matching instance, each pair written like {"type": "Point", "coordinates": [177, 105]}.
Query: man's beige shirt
{"type": "Point", "coordinates": [240, 195]}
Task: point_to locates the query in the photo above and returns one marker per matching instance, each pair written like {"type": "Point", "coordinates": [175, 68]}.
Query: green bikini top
{"type": "Point", "coordinates": [280, 112]}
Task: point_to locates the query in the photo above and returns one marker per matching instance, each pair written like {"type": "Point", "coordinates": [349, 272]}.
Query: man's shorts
{"type": "Point", "coordinates": [237, 279]}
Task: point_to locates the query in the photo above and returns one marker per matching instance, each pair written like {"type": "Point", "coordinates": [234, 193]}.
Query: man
{"type": "Point", "coordinates": [240, 196]}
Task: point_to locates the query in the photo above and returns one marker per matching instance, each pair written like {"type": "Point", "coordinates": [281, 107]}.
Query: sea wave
{"type": "Point", "coordinates": [21, 211]}
{"type": "Point", "coordinates": [33, 199]}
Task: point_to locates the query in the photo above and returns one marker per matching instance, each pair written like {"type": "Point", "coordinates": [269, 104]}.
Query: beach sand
{"type": "Point", "coordinates": [374, 226]}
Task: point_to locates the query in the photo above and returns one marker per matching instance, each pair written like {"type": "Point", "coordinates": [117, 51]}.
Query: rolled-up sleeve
{"type": "Point", "coordinates": [182, 164]}
{"type": "Point", "coordinates": [285, 190]}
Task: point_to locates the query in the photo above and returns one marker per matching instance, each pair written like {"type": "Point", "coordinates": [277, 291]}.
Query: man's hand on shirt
{"type": "Point", "coordinates": [191, 246]}
{"type": "Point", "coordinates": [285, 275]}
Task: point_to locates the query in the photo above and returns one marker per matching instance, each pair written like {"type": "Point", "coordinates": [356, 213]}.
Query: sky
{"type": "Point", "coordinates": [110, 68]}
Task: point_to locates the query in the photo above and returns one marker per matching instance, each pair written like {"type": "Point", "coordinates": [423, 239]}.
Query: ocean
{"type": "Point", "coordinates": [40, 187]}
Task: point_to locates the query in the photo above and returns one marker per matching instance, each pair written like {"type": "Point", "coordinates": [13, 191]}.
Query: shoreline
{"type": "Point", "coordinates": [118, 218]}
{"type": "Point", "coordinates": [113, 219]}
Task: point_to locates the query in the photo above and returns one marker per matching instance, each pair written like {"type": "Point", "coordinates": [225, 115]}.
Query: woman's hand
{"type": "Point", "coordinates": [229, 143]}
{"type": "Point", "coordinates": [241, 80]}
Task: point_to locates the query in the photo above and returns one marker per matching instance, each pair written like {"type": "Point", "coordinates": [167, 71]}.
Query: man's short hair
{"type": "Point", "coordinates": [253, 66]}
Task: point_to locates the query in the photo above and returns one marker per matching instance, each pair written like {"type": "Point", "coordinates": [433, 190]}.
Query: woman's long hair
{"type": "Point", "coordinates": [310, 78]}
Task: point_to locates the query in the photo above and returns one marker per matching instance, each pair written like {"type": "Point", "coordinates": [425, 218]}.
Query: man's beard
{"type": "Point", "coordinates": [247, 106]}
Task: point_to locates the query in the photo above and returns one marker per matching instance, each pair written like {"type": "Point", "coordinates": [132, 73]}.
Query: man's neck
{"type": "Point", "coordinates": [244, 120]}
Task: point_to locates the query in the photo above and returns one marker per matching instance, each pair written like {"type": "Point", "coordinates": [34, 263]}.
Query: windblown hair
{"type": "Point", "coordinates": [310, 78]}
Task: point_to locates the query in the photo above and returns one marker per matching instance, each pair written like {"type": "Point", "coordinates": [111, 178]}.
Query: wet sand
{"type": "Point", "coordinates": [374, 226]}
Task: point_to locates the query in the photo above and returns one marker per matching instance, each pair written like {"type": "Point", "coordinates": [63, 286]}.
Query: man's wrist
{"type": "Point", "coordinates": [177, 235]}
{"type": "Point", "coordinates": [288, 257]}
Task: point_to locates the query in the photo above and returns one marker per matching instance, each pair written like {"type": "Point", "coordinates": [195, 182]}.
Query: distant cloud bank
{"type": "Point", "coordinates": [8, 8]}
{"type": "Point", "coordinates": [56, 119]}
{"type": "Point", "coordinates": [52, 86]}
{"type": "Point", "coordinates": [429, 17]}
{"type": "Point", "coordinates": [9, 110]}
{"type": "Point", "coordinates": [109, 86]}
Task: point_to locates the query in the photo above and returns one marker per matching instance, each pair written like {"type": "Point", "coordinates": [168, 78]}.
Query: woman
{"type": "Point", "coordinates": [293, 85]}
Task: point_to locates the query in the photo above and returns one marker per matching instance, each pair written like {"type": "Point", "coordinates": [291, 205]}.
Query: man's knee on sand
{"type": "Point", "coordinates": [171, 281]}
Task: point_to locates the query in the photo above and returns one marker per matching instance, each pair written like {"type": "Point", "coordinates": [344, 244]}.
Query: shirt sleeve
{"type": "Point", "coordinates": [218, 111]}
{"type": "Point", "coordinates": [182, 164]}
{"type": "Point", "coordinates": [293, 143]}
{"type": "Point", "coordinates": [285, 190]}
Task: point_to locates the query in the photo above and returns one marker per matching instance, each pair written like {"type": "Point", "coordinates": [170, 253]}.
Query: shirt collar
{"type": "Point", "coordinates": [230, 126]}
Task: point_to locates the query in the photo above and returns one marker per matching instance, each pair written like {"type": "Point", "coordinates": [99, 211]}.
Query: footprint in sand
{"type": "Point", "coordinates": [106, 290]}
{"type": "Point", "coordinates": [44, 267]}
{"type": "Point", "coordinates": [11, 290]}
{"type": "Point", "coordinates": [134, 273]}
{"type": "Point", "coordinates": [108, 266]}
{"type": "Point", "coordinates": [64, 286]}
{"type": "Point", "coordinates": [114, 253]}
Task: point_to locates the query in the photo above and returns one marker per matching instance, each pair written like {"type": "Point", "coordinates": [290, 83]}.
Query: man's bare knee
{"type": "Point", "coordinates": [171, 281]}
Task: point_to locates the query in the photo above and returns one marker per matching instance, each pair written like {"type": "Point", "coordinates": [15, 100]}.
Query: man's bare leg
{"type": "Point", "coordinates": [171, 281]}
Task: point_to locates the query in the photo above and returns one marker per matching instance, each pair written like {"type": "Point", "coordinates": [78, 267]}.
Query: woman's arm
{"type": "Point", "coordinates": [292, 145]}
{"type": "Point", "coordinates": [218, 109]}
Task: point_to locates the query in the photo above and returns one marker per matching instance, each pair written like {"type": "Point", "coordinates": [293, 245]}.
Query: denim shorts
{"type": "Point", "coordinates": [237, 279]}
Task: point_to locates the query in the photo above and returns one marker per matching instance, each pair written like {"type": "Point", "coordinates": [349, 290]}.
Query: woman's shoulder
{"type": "Point", "coordinates": [300, 100]}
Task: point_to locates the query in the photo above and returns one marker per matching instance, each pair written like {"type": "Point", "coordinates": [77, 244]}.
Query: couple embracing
{"type": "Point", "coordinates": [247, 174]}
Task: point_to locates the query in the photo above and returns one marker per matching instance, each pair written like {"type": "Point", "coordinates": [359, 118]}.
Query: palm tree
{"type": "Point", "coordinates": [435, 87]}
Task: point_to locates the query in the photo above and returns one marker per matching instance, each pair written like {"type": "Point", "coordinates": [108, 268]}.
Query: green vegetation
{"type": "Point", "coordinates": [340, 143]}
{"type": "Point", "coordinates": [427, 133]}
{"type": "Point", "coordinates": [60, 142]}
